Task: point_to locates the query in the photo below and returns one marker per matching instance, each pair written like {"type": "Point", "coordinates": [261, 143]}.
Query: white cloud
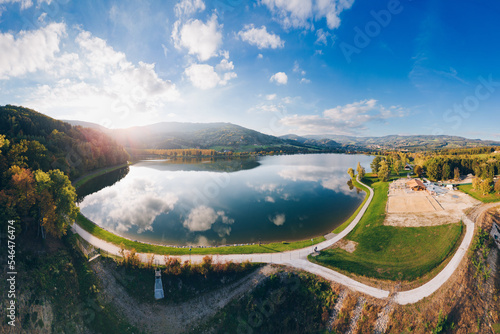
{"type": "Point", "coordinates": [202, 218]}
{"type": "Point", "coordinates": [280, 78]}
{"type": "Point", "coordinates": [278, 220]}
{"type": "Point", "coordinates": [321, 37]}
{"type": "Point", "coordinates": [297, 69]}
{"type": "Point", "coordinates": [343, 119]}
{"type": "Point", "coordinates": [205, 76]}
{"type": "Point", "coordinates": [302, 13]}
{"type": "Point", "coordinates": [30, 51]}
{"type": "Point", "coordinates": [189, 7]}
{"type": "Point", "coordinates": [260, 56]}
{"type": "Point", "coordinates": [271, 97]}
{"type": "Point", "coordinates": [304, 80]}
{"type": "Point", "coordinates": [202, 76]}
{"type": "Point", "coordinates": [225, 66]}
{"type": "Point", "coordinates": [96, 80]}
{"type": "Point", "coordinates": [200, 39]}
{"type": "Point", "coordinates": [25, 4]}
{"type": "Point", "coordinates": [260, 37]}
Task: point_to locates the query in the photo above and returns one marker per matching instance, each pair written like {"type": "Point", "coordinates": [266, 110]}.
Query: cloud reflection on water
{"type": "Point", "coordinates": [329, 178]}
{"type": "Point", "coordinates": [129, 203]}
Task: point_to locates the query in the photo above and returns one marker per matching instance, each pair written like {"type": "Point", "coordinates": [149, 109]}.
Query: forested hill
{"type": "Point", "coordinates": [37, 141]}
{"type": "Point", "coordinates": [174, 135]}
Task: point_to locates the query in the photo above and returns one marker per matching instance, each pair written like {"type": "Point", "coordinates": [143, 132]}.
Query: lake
{"type": "Point", "coordinates": [209, 202]}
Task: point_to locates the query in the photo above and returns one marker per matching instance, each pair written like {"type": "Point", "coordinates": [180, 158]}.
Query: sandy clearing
{"type": "Point", "coordinates": [347, 245]}
{"type": "Point", "coordinates": [453, 206]}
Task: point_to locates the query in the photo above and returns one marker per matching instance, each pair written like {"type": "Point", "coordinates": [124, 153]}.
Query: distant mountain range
{"type": "Point", "coordinates": [410, 143]}
{"type": "Point", "coordinates": [217, 136]}
{"type": "Point", "coordinates": [220, 136]}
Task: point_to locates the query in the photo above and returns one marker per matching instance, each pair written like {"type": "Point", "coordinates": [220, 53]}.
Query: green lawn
{"type": "Point", "coordinates": [140, 247]}
{"type": "Point", "coordinates": [387, 252]}
{"type": "Point", "coordinates": [490, 198]}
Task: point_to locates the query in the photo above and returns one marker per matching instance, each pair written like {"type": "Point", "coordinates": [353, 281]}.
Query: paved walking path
{"type": "Point", "coordinates": [298, 259]}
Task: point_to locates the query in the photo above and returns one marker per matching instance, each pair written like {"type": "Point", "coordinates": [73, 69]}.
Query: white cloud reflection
{"type": "Point", "coordinates": [329, 178]}
{"type": "Point", "coordinates": [202, 218]}
{"type": "Point", "coordinates": [126, 204]}
{"type": "Point", "coordinates": [278, 219]}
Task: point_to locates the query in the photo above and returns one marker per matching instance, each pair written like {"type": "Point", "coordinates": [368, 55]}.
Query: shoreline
{"type": "Point", "coordinates": [242, 248]}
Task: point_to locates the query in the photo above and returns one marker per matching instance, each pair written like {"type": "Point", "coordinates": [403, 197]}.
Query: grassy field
{"type": "Point", "coordinates": [387, 252]}
{"type": "Point", "coordinates": [490, 198]}
{"type": "Point", "coordinates": [140, 247]}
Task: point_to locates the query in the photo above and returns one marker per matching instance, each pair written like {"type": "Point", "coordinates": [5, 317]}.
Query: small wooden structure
{"type": "Point", "coordinates": [159, 294]}
{"type": "Point", "coordinates": [416, 185]}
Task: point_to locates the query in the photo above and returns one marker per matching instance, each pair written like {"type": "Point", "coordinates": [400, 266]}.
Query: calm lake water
{"type": "Point", "coordinates": [215, 202]}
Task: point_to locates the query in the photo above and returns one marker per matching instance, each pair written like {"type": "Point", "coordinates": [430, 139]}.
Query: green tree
{"type": "Point", "coordinates": [383, 171]}
{"type": "Point", "coordinates": [446, 172]}
{"type": "Point", "coordinates": [56, 201]}
{"type": "Point", "coordinates": [433, 170]}
{"type": "Point", "coordinates": [456, 174]}
{"type": "Point", "coordinates": [375, 164]}
{"type": "Point", "coordinates": [350, 171]}
{"type": "Point", "coordinates": [361, 171]}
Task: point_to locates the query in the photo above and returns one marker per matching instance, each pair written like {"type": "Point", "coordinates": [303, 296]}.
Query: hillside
{"type": "Point", "coordinates": [410, 143]}
{"type": "Point", "coordinates": [52, 144]}
{"type": "Point", "coordinates": [216, 136]}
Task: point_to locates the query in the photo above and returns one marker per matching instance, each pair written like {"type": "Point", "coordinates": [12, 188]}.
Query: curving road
{"type": "Point", "coordinates": [298, 259]}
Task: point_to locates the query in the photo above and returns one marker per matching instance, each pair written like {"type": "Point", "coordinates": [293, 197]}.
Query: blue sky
{"type": "Point", "coordinates": [364, 68]}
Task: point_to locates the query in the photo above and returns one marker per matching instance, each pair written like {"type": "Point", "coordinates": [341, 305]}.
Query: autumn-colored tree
{"type": "Point", "coordinates": [22, 189]}
{"type": "Point", "coordinates": [3, 142]}
{"type": "Point", "coordinates": [397, 166]}
{"type": "Point", "coordinates": [361, 171]}
{"type": "Point", "coordinates": [476, 183]}
{"type": "Point", "coordinates": [350, 171]}
{"type": "Point", "coordinates": [456, 174]}
{"type": "Point", "coordinates": [486, 186]}
{"type": "Point", "coordinates": [419, 171]}
{"type": "Point", "coordinates": [497, 186]}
